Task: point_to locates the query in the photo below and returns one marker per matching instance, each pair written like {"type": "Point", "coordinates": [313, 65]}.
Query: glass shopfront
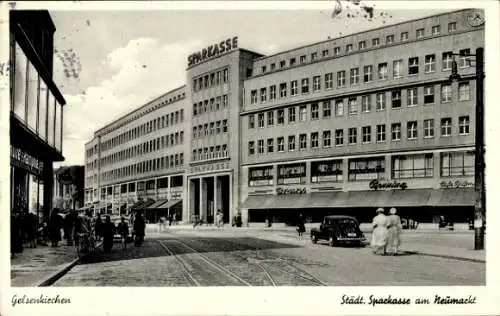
{"type": "Point", "coordinates": [20, 84]}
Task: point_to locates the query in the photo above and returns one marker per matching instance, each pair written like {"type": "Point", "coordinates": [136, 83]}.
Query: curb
{"type": "Point", "coordinates": [444, 256]}
{"type": "Point", "coordinates": [58, 274]}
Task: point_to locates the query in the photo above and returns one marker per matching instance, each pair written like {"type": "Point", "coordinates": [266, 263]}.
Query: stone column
{"type": "Point", "coordinates": [203, 200]}
{"type": "Point", "coordinates": [217, 195]}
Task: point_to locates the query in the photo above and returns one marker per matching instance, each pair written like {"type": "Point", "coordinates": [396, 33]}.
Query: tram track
{"type": "Point", "coordinates": [186, 273]}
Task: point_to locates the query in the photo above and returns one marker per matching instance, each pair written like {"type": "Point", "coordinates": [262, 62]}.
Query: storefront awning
{"type": "Point", "coordinates": [258, 202]}
{"type": "Point", "coordinates": [170, 203]}
{"type": "Point", "coordinates": [137, 205]}
{"type": "Point", "coordinates": [157, 203]}
{"type": "Point", "coordinates": [452, 197]}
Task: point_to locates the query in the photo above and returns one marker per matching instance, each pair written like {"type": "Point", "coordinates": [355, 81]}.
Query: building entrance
{"type": "Point", "coordinates": [209, 195]}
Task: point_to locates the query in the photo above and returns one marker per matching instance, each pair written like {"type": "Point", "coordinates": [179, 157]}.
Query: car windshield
{"type": "Point", "coordinates": [345, 221]}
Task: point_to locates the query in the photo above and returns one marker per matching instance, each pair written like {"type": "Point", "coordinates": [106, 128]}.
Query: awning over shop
{"type": "Point", "coordinates": [452, 197]}
{"type": "Point", "coordinates": [170, 203]}
{"type": "Point", "coordinates": [142, 205]}
{"type": "Point", "coordinates": [137, 205]}
{"type": "Point", "coordinates": [258, 202]}
{"type": "Point", "coordinates": [157, 203]}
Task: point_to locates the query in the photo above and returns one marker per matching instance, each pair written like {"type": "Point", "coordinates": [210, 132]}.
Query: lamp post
{"type": "Point", "coordinates": [479, 166]}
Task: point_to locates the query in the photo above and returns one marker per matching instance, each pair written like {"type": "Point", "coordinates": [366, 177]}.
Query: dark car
{"type": "Point", "coordinates": [338, 229]}
{"type": "Point", "coordinates": [116, 220]}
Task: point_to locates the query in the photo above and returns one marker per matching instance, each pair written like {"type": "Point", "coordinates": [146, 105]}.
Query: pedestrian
{"type": "Point", "coordinates": [31, 229]}
{"type": "Point", "coordinates": [108, 231]}
{"type": "Point", "coordinates": [394, 228]}
{"type": "Point", "coordinates": [217, 218]}
{"type": "Point", "coordinates": [139, 229]}
{"type": "Point", "coordinates": [68, 228]}
{"type": "Point", "coordinates": [98, 227]}
{"type": "Point", "coordinates": [16, 245]}
{"type": "Point", "coordinates": [55, 228]}
{"type": "Point", "coordinates": [301, 228]}
{"type": "Point", "coordinates": [123, 231]}
{"type": "Point", "coordinates": [379, 235]}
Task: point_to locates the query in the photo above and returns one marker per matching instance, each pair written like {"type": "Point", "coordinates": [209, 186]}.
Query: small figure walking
{"type": "Point", "coordinates": [123, 231]}
{"type": "Point", "coordinates": [379, 235]}
{"type": "Point", "coordinates": [108, 230]}
{"type": "Point", "coordinates": [301, 228]}
{"type": "Point", "coordinates": [394, 228]}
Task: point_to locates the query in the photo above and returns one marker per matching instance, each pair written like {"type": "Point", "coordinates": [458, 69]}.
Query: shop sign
{"type": "Point", "coordinates": [456, 184]}
{"type": "Point", "coordinates": [211, 167]}
{"type": "Point", "coordinates": [286, 191]}
{"type": "Point", "coordinates": [26, 161]}
{"type": "Point", "coordinates": [376, 185]}
{"type": "Point", "coordinates": [213, 51]}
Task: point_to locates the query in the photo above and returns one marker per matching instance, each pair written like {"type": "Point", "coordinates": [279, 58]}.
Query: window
{"type": "Point", "coordinates": [336, 51]}
{"type": "Point", "coordinates": [316, 83]}
{"type": "Point", "coordinates": [368, 73]}
{"type": "Point", "coordinates": [464, 59]}
{"type": "Point", "coordinates": [302, 59]}
{"type": "Point", "coordinates": [325, 53]}
{"type": "Point", "coordinates": [367, 134]}
{"type": "Point", "coordinates": [396, 99]}
{"type": "Point", "coordinates": [291, 115]}
{"type": "Point", "coordinates": [212, 128]}
{"type": "Point", "coordinates": [430, 63]}
{"type": "Point", "coordinates": [412, 95]}
{"type": "Point", "coordinates": [375, 42]}
{"type": "Point", "coordinates": [303, 141]}
{"type": "Point", "coordinates": [251, 121]}
{"type": "Point", "coordinates": [366, 169]}
{"type": "Point", "coordinates": [397, 68]}
{"type": "Point", "coordinates": [253, 96]}
{"type": "Point", "coordinates": [428, 94]}
{"type": "Point", "coordinates": [292, 173]}
{"type": "Point", "coordinates": [382, 71]}
{"type": "Point", "coordinates": [260, 176]}
{"type": "Point", "coordinates": [328, 80]}
{"type": "Point", "coordinates": [251, 148]}
{"type": "Point", "coordinates": [353, 135]}
{"type": "Point", "coordinates": [263, 69]}
{"type": "Point", "coordinates": [341, 79]}
{"type": "Point", "coordinates": [205, 129]}
{"type": "Point", "coordinates": [339, 137]}
{"type": "Point", "coordinates": [452, 26]}
{"type": "Point", "coordinates": [314, 111]}
{"type": "Point", "coordinates": [326, 171]}
{"type": "Point", "coordinates": [270, 145]}
{"type": "Point", "coordinates": [282, 63]}
{"type": "Point", "coordinates": [225, 75]}
{"type": "Point", "coordinates": [224, 126]}
{"type": "Point", "coordinates": [413, 66]}
{"type": "Point", "coordinates": [281, 117]}
{"type": "Point", "coordinates": [354, 76]}
{"type": "Point", "coordinates": [353, 106]}
{"type": "Point", "coordinates": [291, 143]}
{"type": "Point", "coordinates": [380, 133]}
{"type": "Point", "coordinates": [273, 66]}
{"type": "Point", "coordinates": [436, 29]}
{"type": "Point", "coordinates": [404, 36]}
{"type": "Point", "coordinates": [412, 166]}
{"type": "Point", "coordinates": [281, 144]}
{"type": "Point", "coordinates": [217, 127]}
{"type": "Point", "coordinates": [366, 101]}
{"type": "Point", "coordinates": [314, 56]}
{"type": "Point", "coordinates": [446, 93]}
{"type": "Point", "coordinates": [260, 145]}
{"type": "Point", "coordinates": [293, 88]}
{"type": "Point", "coordinates": [263, 95]}
{"type": "Point", "coordinates": [292, 62]}
{"type": "Point", "coordinates": [272, 92]}
{"type": "Point", "coordinates": [447, 60]}
{"type": "Point", "coordinates": [457, 163]}
{"type": "Point", "coordinates": [429, 128]}
{"type": "Point", "coordinates": [463, 91]}
{"type": "Point", "coordinates": [412, 130]}
{"type": "Point", "coordinates": [270, 118]}
{"type": "Point", "coordinates": [327, 109]}
{"type": "Point", "coordinates": [327, 138]}
{"type": "Point", "coordinates": [305, 86]}
{"type": "Point", "coordinates": [420, 33]}
{"type": "Point", "coordinates": [463, 125]}
{"type": "Point", "coordinates": [362, 45]}
{"type": "Point", "coordinates": [380, 101]}
{"type": "Point", "coordinates": [339, 107]}
{"type": "Point", "coordinates": [260, 119]}
{"type": "Point", "coordinates": [389, 39]}
{"type": "Point", "coordinates": [283, 90]}
{"type": "Point", "coordinates": [348, 48]}
{"type": "Point", "coordinates": [314, 140]}
{"type": "Point", "coordinates": [303, 113]}
{"type": "Point", "coordinates": [396, 131]}
{"type": "Point", "coordinates": [446, 127]}
{"type": "Point", "coordinates": [195, 108]}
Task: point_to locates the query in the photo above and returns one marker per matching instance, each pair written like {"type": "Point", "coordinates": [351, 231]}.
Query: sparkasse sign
{"type": "Point", "coordinates": [213, 50]}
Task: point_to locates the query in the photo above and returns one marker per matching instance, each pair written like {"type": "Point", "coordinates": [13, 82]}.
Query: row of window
{"type": "Point", "coordinates": [355, 76]}
{"type": "Point", "coordinates": [362, 45]}
{"type": "Point", "coordinates": [212, 152]}
{"type": "Point", "coordinates": [360, 104]}
{"type": "Point", "coordinates": [214, 104]}
{"type": "Point", "coordinates": [158, 183]}
{"type": "Point", "coordinates": [212, 128]}
{"type": "Point", "coordinates": [326, 140]}
{"type": "Point", "coordinates": [212, 79]}
{"type": "Point", "coordinates": [161, 122]}
{"type": "Point", "coordinates": [153, 145]}
{"type": "Point", "coordinates": [162, 163]}
{"type": "Point", "coordinates": [452, 164]}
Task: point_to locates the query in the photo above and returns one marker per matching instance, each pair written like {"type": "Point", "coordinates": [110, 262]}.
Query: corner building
{"type": "Point", "coordinates": [340, 126]}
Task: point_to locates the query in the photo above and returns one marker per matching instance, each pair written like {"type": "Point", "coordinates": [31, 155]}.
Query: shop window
{"type": "Point", "coordinates": [413, 166]}
{"type": "Point", "coordinates": [20, 84]}
{"type": "Point", "coordinates": [51, 119]}
{"type": "Point", "coordinates": [32, 100]}
{"type": "Point", "coordinates": [42, 111]}
{"type": "Point", "coordinates": [260, 176]}
{"type": "Point", "coordinates": [292, 174]}
{"type": "Point", "coordinates": [458, 163]}
{"type": "Point", "coordinates": [326, 171]}
{"type": "Point", "coordinates": [367, 169]}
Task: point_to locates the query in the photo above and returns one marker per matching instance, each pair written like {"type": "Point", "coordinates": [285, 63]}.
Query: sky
{"type": "Point", "coordinates": [108, 63]}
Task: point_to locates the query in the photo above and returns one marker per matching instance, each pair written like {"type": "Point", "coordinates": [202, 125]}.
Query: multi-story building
{"type": "Point", "coordinates": [36, 112]}
{"type": "Point", "coordinates": [341, 126]}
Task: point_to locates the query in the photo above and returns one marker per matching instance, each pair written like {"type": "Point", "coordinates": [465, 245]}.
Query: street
{"type": "Point", "coordinates": [245, 258]}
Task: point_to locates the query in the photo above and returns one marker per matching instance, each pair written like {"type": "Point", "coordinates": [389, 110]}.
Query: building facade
{"type": "Point", "coordinates": [69, 187]}
{"type": "Point", "coordinates": [341, 126]}
{"type": "Point", "coordinates": [36, 112]}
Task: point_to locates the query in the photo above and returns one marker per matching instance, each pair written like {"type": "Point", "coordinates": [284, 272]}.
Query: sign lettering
{"type": "Point", "coordinates": [376, 185]}
{"type": "Point", "coordinates": [284, 191]}
{"type": "Point", "coordinates": [213, 51]}
{"type": "Point", "coordinates": [456, 184]}
{"type": "Point", "coordinates": [24, 160]}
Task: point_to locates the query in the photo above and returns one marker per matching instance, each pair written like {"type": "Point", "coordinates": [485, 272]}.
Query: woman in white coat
{"type": "Point", "coordinates": [394, 228]}
{"type": "Point", "coordinates": [379, 235]}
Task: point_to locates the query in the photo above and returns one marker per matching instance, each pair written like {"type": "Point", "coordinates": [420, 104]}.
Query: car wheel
{"type": "Point", "coordinates": [314, 239]}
